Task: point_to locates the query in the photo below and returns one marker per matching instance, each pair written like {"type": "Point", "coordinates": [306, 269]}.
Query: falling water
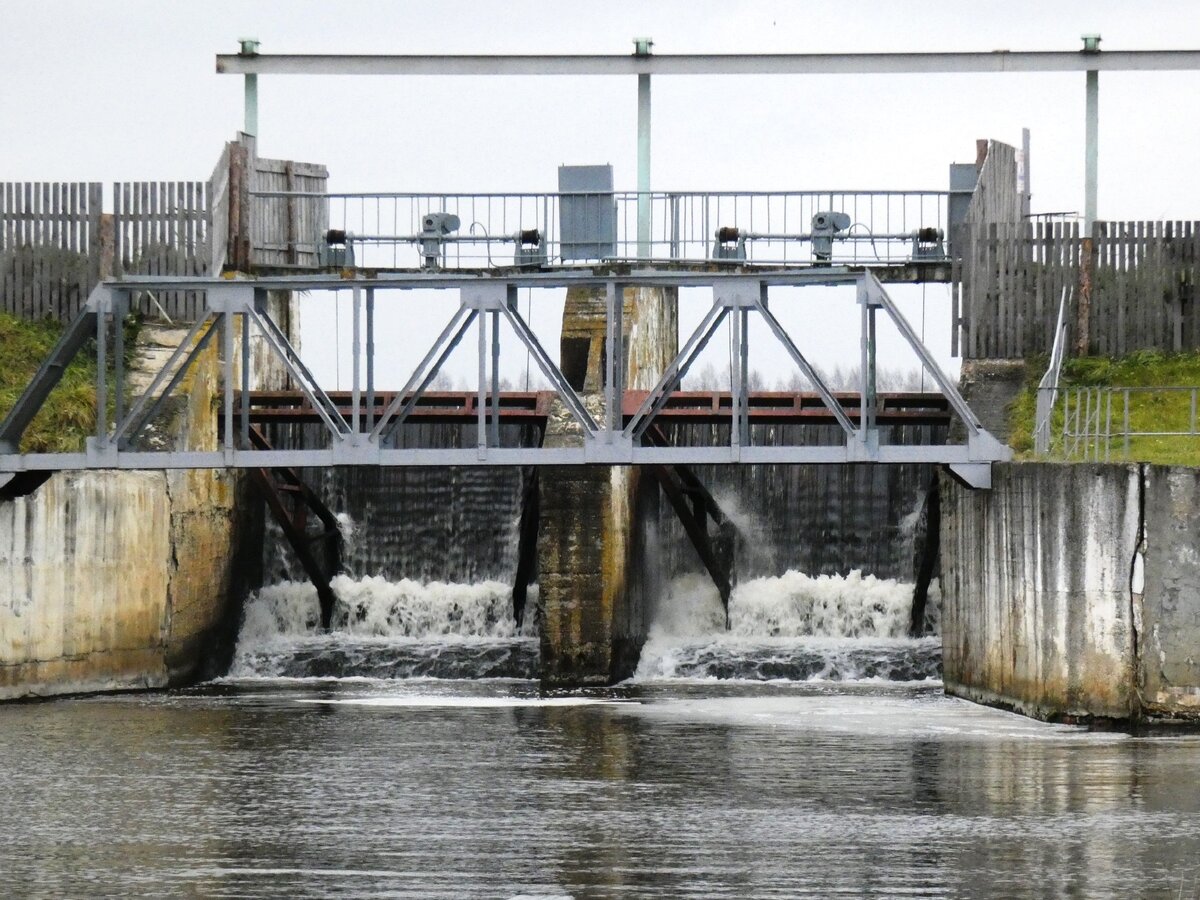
{"type": "Point", "coordinates": [428, 557]}
{"type": "Point", "coordinates": [386, 629]}
{"type": "Point", "coordinates": [792, 627]}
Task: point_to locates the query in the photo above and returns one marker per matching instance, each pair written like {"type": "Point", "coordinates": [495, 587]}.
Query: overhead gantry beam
{"type": "Point", "coordinates": [644, 64]}
{"type": "Point", "coordinates": [996, 61]}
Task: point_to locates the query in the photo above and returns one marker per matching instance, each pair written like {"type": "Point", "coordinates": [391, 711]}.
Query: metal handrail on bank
{"type": "Point", "coordinates": [1094, 423]}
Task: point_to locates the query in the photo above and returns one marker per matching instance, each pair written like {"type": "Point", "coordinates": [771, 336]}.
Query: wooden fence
{"type": "Point", "coordinates": [56, 243]}
{"type": "Point", "coordinates": [1009, 278]}
{"type": "Point", "coordinates": [49, 247]}
{"type": "Point", "coordinates": [285, 230]}
{"type": "Point", "coordinates": [162, 228]}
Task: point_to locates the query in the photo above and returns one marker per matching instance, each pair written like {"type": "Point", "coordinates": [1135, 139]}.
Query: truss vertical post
{"type": "Point", "coordinates": [370, 358]}
{"type": "Point", "coordinates": [102, 372]}
{"type": "Point", "coordinates": [120, 301]}
{"type": "Point", "coordinates": [356, 367]}
{"type": "Point", "coordinates": [481, 396]}
{"type": "Point", "coordinates": [866, 379]}
{"type": "Point", "coordinates": [244, 424]}
{"type": "Point", "coordinates": [495, 423]}
{"type": "Point", "coordinates": [743, 402]}
{"type": "Point", "coordinates": [735, 374]}
{"type": "Point", "coordinates": [495, 404]}
{"type": "Point", "coordinates": [227, 373]}
{"type": "Point", "coordinates": [614, 359]}
{"type": "Point", "coordinates": [868, 411]}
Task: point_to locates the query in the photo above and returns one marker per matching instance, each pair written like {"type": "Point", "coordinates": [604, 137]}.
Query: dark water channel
{"type": "Point", "coordinates": [281, 788]}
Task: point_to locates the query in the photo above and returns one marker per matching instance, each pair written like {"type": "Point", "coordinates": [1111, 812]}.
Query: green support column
{"type": "Point", "coordinates": [1091, 45]}
{"type": "Point", "coordinates": [642, 48]}
{"type": "Point", "coordinates": [250, 127]}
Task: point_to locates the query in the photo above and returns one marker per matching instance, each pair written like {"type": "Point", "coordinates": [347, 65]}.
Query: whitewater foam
{"type": "Point", "coordinates": [792, 627]}
{"type": "Point", "coordinates": [386, 629]}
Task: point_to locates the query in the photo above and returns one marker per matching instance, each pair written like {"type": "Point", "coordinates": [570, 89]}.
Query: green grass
{"type": "Point", "coordinates": [1153, 411]}
{"type": "Point", "coordinates": [69, 414]}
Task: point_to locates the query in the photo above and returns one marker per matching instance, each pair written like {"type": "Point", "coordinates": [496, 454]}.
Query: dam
{"type": "Point", "coordinates": [614, 606]}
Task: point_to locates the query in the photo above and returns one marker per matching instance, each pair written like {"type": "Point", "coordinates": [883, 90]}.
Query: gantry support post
{"type": "Point", "coordinates": [1091, 46]}
{"type": "Point", "coordinates": [642, 48]}
{"type": "Point", "coordinates": [1091, 181]}
{"type": "Point", "coordinates": [250, 89]}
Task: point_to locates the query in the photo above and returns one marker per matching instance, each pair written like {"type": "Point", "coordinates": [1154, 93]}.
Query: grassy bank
{"type": "Point", "coordinates": [69, 414]}
{"type": "Point", "coordinates": [1148, 411]}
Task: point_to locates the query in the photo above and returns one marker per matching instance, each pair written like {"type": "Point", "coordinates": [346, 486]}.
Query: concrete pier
{"type": "Point", "coordinates": [593, 615]}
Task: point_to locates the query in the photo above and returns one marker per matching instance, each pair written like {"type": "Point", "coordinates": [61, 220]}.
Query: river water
{"type": "Point", "coordinates": [807, 752]}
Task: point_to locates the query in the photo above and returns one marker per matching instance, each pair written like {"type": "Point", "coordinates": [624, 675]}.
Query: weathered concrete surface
{"type": "Point", "coordinates": [989, 387]}
{"type": "Point", "coordinates": [1072, 591]}
{"type": "Point", "coordinates": [1169, 631]}
{"type": "Point", "coordinates": [80, 609]}
{"type": "Point", "coordinates": [1037, 613]}
{"type": "Point", "coordinates": [124, 580]}
{"type": "Point", "coordinates": [593, 617]}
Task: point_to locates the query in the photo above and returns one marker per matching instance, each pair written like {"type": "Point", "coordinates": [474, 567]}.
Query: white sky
{"type": "Point", "coordinates": [127, 90]}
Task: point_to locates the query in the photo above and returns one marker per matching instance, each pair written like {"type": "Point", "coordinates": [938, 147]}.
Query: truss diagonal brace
{"type": "Point", "coordinates": [423, 374]}
{"type": "Point", "coordinates": [552, 372]}
{"type": "Point", "coordinates": [810, 373]}
{"type": "Point", "coordinates": [982, 446]}
{"type": "Point", "coordinates": [187, 346]}
{"type": "Point", "coordinates": [323, 406]}
{"type": "Point", "coordinates": [876, 295]}
{"type": "Point", "coordinates": [657, 398]}
{"type": "Point", "coordinates": [51, 371]}
{"type": "Point", "coordinates": [136, 426]}
{"type": "Point", "coordinates": [291, 359]}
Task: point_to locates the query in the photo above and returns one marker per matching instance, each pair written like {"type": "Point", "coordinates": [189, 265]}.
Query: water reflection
{"type": "Point", "coordinates": [436, 789]}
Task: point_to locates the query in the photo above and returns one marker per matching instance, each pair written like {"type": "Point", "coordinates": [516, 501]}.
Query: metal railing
{"type": "Point", "coordinates": [390, 230]}
{"type": "Point", "coordinates": [1100, 423]}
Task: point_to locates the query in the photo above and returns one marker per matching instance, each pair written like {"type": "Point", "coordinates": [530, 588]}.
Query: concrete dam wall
{"type": "Point", "coordinates": [116, 580]}
{"type": "Point", "coordinates": [1072, 592]}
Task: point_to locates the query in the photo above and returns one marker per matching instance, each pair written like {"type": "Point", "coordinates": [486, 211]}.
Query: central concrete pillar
{"type": "Point", "coordinates": [593, 617]}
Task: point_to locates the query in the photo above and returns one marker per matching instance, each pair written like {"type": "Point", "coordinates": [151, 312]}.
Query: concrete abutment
{"type": "Point", "coordinates": [1071, 592]}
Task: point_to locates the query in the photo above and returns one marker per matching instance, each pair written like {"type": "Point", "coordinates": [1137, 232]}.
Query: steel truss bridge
{"type": "Point", "coordinates": [363, 431]}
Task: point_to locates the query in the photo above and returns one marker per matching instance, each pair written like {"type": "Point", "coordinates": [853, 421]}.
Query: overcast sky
{"type": "Point", "coordinates": [127, 90]}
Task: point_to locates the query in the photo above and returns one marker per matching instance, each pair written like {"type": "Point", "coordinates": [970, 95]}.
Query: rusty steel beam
{"type": "Point", "coordinates": [696, 528]}
{"type": "Point", "coordinates": [276, 483]}
{"type": "Point", "coordinates": [682, 407]}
